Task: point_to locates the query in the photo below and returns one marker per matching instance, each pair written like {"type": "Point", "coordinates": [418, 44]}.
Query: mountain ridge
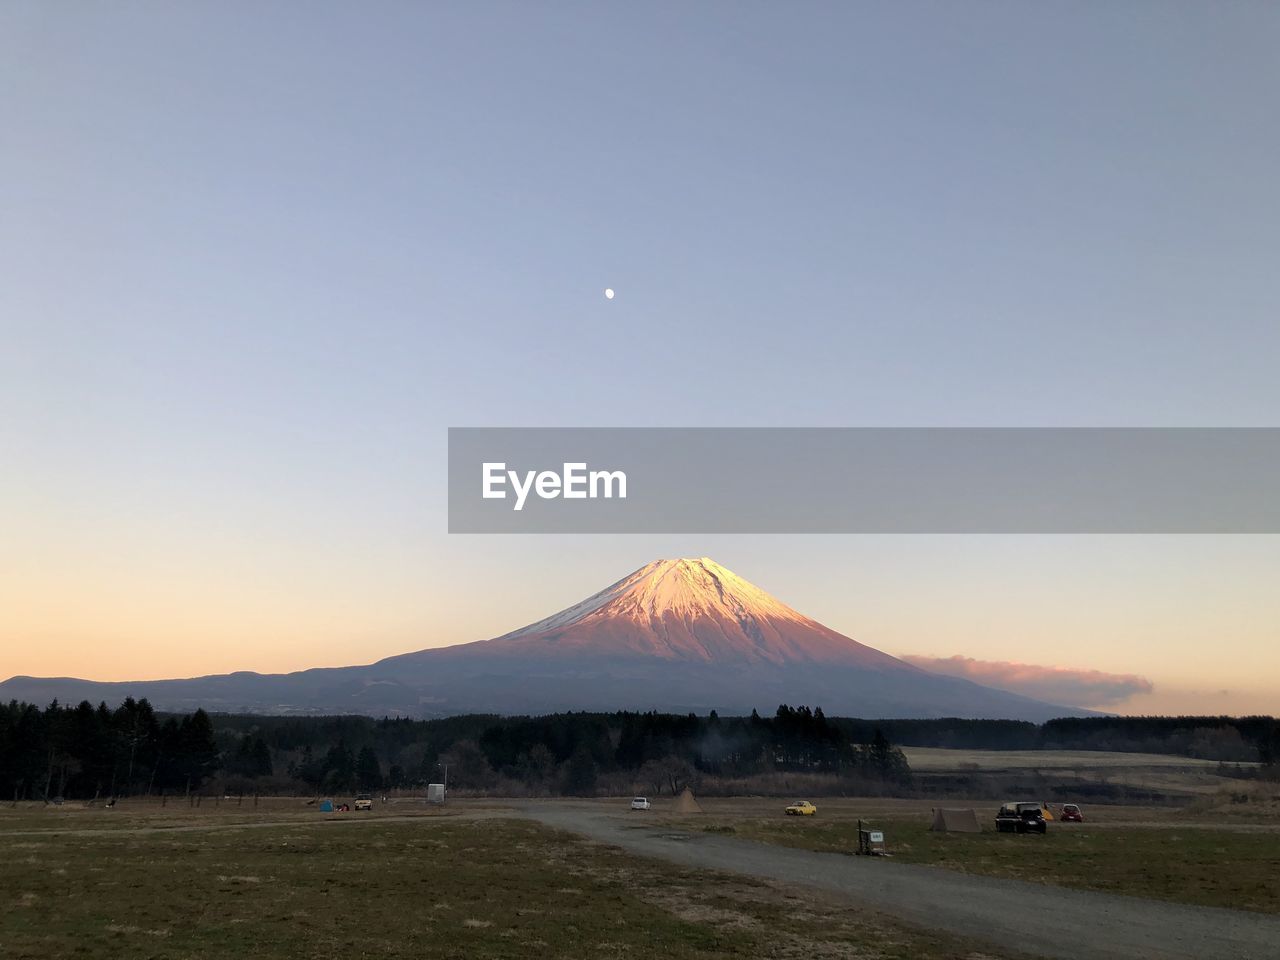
{"type": "Point", "coordinates": [677, 635]}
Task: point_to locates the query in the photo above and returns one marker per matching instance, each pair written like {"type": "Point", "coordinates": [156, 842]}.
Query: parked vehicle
{"type": "Point", "coordinates": [1027, 817]}
{"type": "Point", "coordinates": [364, 802]}
{"type": "Point", "coordinates": [801, 808]}
{"type": "Point", "coordinates": [1071, 813]}
{"type": "Point", "coordinates": [640, 803]}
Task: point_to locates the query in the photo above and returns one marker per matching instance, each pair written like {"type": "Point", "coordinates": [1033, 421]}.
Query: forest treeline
{"type": "Point", "coordinates": [91, 752]}
{"type": "Point", "coordinates": [86, 751]}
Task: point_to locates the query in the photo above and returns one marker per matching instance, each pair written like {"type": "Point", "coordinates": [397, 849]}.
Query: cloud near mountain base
{"type": "Point", "coordinates": [1063, 685]}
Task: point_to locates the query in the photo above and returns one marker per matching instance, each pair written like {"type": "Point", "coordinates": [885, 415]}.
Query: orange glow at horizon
{"type": "Point", "coordinates": [296, 613]}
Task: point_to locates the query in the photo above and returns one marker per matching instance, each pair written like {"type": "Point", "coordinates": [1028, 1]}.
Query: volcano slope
{"type": "Point", "coordinates": [676, 635]}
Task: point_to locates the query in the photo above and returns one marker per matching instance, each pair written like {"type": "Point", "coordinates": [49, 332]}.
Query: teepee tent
{"type": "Point", "coordinates": [955, 821]}
{"type": "Point", "coordinates": [685, 803]}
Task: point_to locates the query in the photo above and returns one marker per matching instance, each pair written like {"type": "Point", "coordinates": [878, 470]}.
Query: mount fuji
{"type": "Point", "coordinates": [674, 636]}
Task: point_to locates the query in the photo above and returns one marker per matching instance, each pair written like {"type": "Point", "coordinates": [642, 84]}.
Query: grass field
{"type": "Point", "coordinates": [158, 885]}
{"type": "Point", "coordinates": [1120, 851]}
{"type": "Point", "coordinates": [937, 758]}
{"type": "Point", "coordinates": [1176, 777]}
{"type": "Point", "coordinates": [152, 813]}
{"type": "Point", "coordinates": [281, 880]}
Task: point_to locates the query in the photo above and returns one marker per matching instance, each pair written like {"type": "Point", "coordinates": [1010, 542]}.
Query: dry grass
{"type": "Point", "coordinates": [151, 814]}
{"type": "Point", "coordinates": [420, 887]}
{"type": "Point", "coordinates": [937, 758]}
{"type": "Point", "coordinates": [1148, 773]}
{"type": "Point", "coordinates": [1251, 802]}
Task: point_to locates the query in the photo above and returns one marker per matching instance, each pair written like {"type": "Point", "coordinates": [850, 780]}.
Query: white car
{"type": "Point", "coordinates": [364, 802]}
{"type": "Point", "coordinates": [639, 803]}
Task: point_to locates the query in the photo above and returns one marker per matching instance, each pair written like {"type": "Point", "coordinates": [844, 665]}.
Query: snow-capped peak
{"type": "Point", "coordinates": [690, 609]}
{"type": "Point", "coordinates": [683, 588]}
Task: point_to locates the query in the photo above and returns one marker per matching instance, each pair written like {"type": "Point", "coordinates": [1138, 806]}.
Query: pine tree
{"type": "Point", "coordinates": [580, 773]}
{"type": "Point", "coordinates": [260, 765]}
{"type": "Point", "coordinates": [368, 770]}
{"type": "Point", "coordinates": [198, 758]}
{"type": "Point", "coordinates": [339, 766]}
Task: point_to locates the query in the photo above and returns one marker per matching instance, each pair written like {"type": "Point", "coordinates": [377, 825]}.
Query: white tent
{"type": "Point", "coordinates": [955, 821]}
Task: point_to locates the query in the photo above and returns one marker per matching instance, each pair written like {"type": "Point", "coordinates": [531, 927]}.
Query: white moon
{"type": "Point", "coordinates": [608, 293]}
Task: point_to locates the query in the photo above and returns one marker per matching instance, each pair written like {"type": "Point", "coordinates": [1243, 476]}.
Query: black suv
{"type": "Point", "coordinates": [1021, 818]}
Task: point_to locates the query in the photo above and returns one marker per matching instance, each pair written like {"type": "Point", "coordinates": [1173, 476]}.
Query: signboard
{"type": "Point", "coordinates": [870, 842]}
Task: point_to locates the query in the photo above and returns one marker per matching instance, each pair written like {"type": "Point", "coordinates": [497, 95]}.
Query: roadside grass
{"type": "Point", "coordinates": [152, 813]}
{"type": "Point", "coordinates": [1217, 868]}
{"type": "Point", "coordinates": [1256, 802]}
{"type": "Point", "coordinates": [943, 758]}
{"type": "Point", "coordinates": [422, 888]}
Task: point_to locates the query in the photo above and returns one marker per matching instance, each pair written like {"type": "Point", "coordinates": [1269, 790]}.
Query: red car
{"type": "Point", "coordinates": [1071, 814]}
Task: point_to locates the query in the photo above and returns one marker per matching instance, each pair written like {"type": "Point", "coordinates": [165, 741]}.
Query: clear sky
{"type": "Point", "coordinates": [256, 258]}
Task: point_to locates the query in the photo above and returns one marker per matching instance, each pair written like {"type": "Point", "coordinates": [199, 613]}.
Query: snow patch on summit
{"type": "Point", "coordinates": [684, 588]}
{"type": "Point", "coordinates": [692, 610]}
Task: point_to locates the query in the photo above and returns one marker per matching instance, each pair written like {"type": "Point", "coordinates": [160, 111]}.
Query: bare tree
{"type": "Point", "coordinates": [679, 773]}
{"type": "Point", "coordinates": [672, 772]}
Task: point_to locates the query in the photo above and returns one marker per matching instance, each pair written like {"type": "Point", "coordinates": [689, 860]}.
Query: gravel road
{"type": "Point", "coordinates": [1032, 918]}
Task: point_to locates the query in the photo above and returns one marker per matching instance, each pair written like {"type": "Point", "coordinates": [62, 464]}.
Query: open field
{"type": "Point", "coordinates": [476, 879]}
{"type": "Point", "coordinates": [1165, 854]}
{"type": "Point", "coordinates": [1093, 774]}
{"type": "Point", "coordinates": [456, 884]}
{"type": "Point", "coordinates": [938, 758]}
{"type": "Point", "coordinates": [1178, 778]}
{"type": "Point", "coordinates": [135, 814]}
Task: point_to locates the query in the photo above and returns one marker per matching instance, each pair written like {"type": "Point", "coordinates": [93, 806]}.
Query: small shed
{"type": "Point", "coordinates": [435, 793]}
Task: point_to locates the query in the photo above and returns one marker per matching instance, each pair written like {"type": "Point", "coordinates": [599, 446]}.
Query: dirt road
{"type": "Point", "coordinates": [1044, 920]}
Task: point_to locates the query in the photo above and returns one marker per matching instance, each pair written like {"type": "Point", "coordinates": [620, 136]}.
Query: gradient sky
{"type": "Point", "coordinates": [255, 259]}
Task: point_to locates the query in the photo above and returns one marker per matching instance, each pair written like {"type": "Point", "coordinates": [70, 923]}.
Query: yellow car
{"type": "Point", "coordinates": [801, 808]}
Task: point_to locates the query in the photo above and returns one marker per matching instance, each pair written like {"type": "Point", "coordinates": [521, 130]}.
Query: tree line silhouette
{"type": "Point", "coordinates": [85, 752]}
{"type": "Point", "coordinates": [88, 752]}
